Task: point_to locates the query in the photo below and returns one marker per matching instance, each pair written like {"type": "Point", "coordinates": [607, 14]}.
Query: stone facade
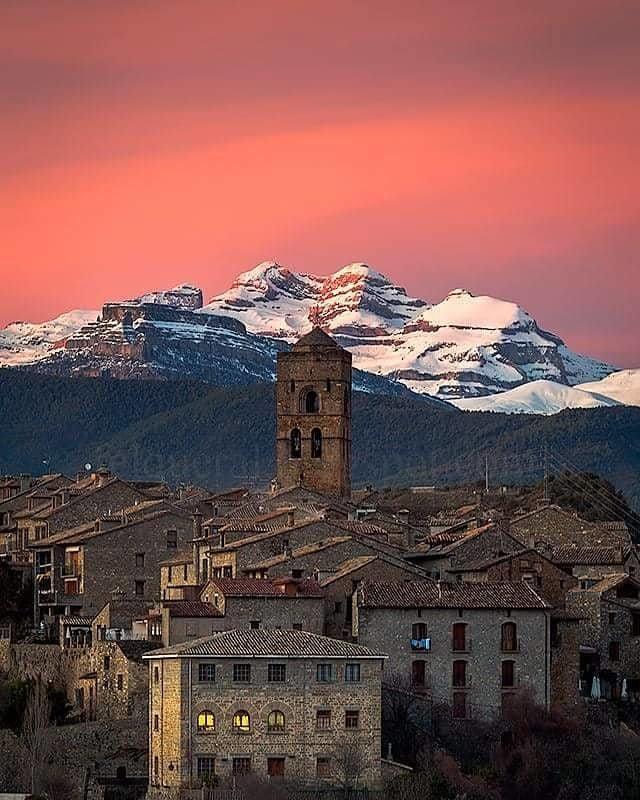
{"type": "Point", "coordinates": [313, 396]}
{"type": "Point", "coordinates": [463, 664]}
{"type": "Point", "coordinates": [296, 727]}
{"type": "Point", "coordinates": [554, 527]}
{"type": "Point", "coordinates": [77, 572]}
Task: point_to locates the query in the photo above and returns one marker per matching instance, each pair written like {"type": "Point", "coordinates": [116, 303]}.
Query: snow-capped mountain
{"type": "Point", "coordinates": [623, 386]}
{"type": "Point", "coordinates": [537, 397]}
{"type": "Point", "coordinates": [464, 346]}
{"type": "Point", "coordinates": [27, 342]}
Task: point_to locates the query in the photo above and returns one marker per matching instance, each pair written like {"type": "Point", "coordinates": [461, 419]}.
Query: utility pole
{"type": "Point", "coordinates": [545, 495]}
{"type": "Point", "coordinates": [486, 474]}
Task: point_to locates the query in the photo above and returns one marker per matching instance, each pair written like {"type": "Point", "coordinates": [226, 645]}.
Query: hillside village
{"type": "Point", "coordinates": [201, 640]}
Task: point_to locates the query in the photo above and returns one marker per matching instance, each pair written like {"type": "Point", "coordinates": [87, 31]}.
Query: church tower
{"type": "Point", "coordinates": [313, 411]}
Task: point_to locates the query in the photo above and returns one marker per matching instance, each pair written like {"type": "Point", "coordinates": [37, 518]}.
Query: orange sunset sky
{"type": "Point", "coordinates": [490, 144]}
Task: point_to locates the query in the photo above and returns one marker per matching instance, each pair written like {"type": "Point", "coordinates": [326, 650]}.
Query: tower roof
{"type": "Point", "coordinates": [316, 338]}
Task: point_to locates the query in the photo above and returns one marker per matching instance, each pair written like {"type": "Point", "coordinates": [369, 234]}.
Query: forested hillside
{"type": "Point", "coordinates": [183, 431]}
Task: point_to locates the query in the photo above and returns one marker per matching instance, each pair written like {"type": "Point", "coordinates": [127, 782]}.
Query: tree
{"type": "Point", "coordinates": [34, 735]}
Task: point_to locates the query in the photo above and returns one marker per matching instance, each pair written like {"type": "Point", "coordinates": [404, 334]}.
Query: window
{"type": "Point", "coordinates": [324, 673]}
{"type": "Point", "coordinates": [418, 674]}
{"type": "Point", "coordinates": [206, 722]}
{"type": "Point", "coordinates": [459, 705]}
{"type": "Point", "coordinates": [295, 443]}
{"type": "Point", "coordinates": [106, 663]}
{"type": "Point", "coordinates": [612, 618]}
{"type": "Point", "coordinates": [275, 722]}
{"type": "Point", "coordinates": [316, 443]}
{"type": "Point", "coordinates": [241, 722]}
{"type": "Point", "coordinates": [80, 698]}
{"type": "Point", "coordinates": [614, 651]}
{"type": "Point", "coordinates": [323, 719]}
{"type": "Point", "coordinates": [139, 560]}
{"type": "Point", "coordinates": [352, 673]}
{"type": "Point", "coordinates": [277, 673]}
{"type": "Point", "coordinates": [275, 767]}
{"type": "Point", "coordinates": [323, 767]}
{"type": "Point", "coordinates": [635, 624]}
{"type": "Point", "coordinates": [509, 638]}
{"type": "Point", "coordinates": [185, 572]}
{"type": "Point", "coordinates": [172, 540]}
{"type": "Point", "coordinates": [419, 631]}
{"type": "Point", "coordinates": [459, 637]}
{"type": "Point", "coordinates": [119, 682]}
{"type": "Point", "coordinates": [242, 673]}
{"type": "Point", "coordinates": [254, 624]}
{"type": "Point", "coordinates": [156, 722]}
{"type": "Point", "coordinates": [351, 719]}
{"type": "Point", "coordinates": [206, 767]}
{"type": "Point", "coordinates": [337, 608]}
{"type": "Point", "coordinates": [156, 675]}
{"type": "Point", "coordinates": [206, 673]}
{"type": "Point", "coordinates": [139, 588]}
{"type": "Point", "coordinates": [241, 765]}
{"type": "Point", "coordinates": [508, 674]}
{"type": "Point", "coordinates": [156, 765]}
{"type": "Point", "coordinates": [292, 387]}
{"type": "Point", "coordinates": [311, 402]}
{"type": "Point", "coordinates": [297, 626]}
{"type": "Point", "coordinates": [328, 384]}
{"type": "Point", "coordinates": [459, 673]}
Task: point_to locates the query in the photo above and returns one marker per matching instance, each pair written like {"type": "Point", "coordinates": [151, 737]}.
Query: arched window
{"type": "Point", "coordinates": [459, 636]}
{"type": "Point", "coordinates": [316, 443]}
{"type": "Point", "coordinates": [459, 674]}
{"type": "Point", "coordinates": [311, 402]}
{"type": "Point", "coordinates": [275, 722]}
{"type": "Point", "coordinates": [295, 443]}
{"type": "Point", "coordinates": [206, 722]}
{"type": "Point", "coordinates": [241, 722]}
{"type": "Point", "coordinates": [509, 642]}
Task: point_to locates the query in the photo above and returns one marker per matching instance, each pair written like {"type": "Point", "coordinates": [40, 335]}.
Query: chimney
{"type": "Point", "coordinates": [403, 516]}
{"type": "Point", "coordinates": [290, 518]}
{"type": "Point", "coordinates": [532, 541]}
{"type": "Point", "coordinates": [197, 524]}
{"type": "Point", "coordinates": [389, 752]}
{"type": "Point", "coordinates": [619, 554]}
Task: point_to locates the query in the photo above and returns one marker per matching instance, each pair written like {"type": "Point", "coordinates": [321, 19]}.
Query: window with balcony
{"type": "Point", "coordinates": [419, 636]}
{"type": "Point", "coordinates": [460, 674]}
{"type": "Point", "coordinates": [459, 637]}
{"type": "Point", "coordinates": [323, 767]}
{"type": "Point", "coordinates": [509, 642]}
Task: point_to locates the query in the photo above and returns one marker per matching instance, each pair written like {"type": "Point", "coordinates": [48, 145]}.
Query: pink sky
{"type": "Point", "coordinates": [491, 145]}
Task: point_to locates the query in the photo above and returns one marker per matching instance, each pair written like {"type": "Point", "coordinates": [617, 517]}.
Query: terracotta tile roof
{"type": "Point", "coordinates": [430, 594]}
{"type": "Point", "coordinates": [577, 554]}
{"type": "Point", "coordinates": [260, 587]}
{"type": "Point", "coordinates": [610, 582]}
{"type": "Point", "coordinates": [365, 528]}
{"type": "Point", "coordinates": [71, 620]}
{"type": "Point", "coordinates": [267, 643]}
{"type": "Point", "coordinates": [481, 564]}
{"type": "Point", "coordinates": [179, 558]}
{"type": "Point", "coordinates": [191, 608]}
{"type": "Point", "coordinates": [443, 546]}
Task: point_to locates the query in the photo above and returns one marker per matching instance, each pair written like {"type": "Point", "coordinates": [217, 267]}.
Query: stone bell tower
{"type": "Point", "coordinates": [313, 411]}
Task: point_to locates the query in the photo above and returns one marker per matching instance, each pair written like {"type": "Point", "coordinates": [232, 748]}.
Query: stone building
{"type": "Point", "coordinates": [550, 525]}
{"type": "Point", "coordinates": [313, 415]}
{"type": "Point", "coordinates": [609, 632]}
{"type": "Point", "coordinates": [282, 704]}
{"type": "Point", "coordinates": [550, 581]}
{"type": "Point", "coordinates": [77, 570]}
{"type": "Point", "coordinates": [470, 646]}
{"type": "Point", "coordinates": [589, 563]}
